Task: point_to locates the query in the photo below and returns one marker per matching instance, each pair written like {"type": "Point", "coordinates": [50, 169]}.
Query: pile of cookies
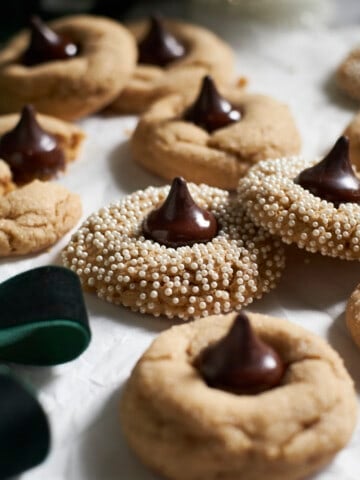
{"type": "Point", "coordinates": [233, 394]}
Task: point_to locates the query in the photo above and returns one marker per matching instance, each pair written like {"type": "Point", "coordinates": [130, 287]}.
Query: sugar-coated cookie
{"type": "Point", "coordinates": [35, 216]}
{"type": "Point", "coordinates": [313, 216]}
{"type": "Point", "coordinates": [201, 53]}
{"type": "Point", "coordinates": [173, 418]}
{"type": "Point", "coordinates": [167, 143]}
{"type": "Point", "coordinates": [71, 87]}
{"type": "Point", "coordinates": [236, 264]}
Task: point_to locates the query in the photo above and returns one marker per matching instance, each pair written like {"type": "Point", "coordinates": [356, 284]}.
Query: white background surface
{"type": "Point", "coordinates": [81, 398]}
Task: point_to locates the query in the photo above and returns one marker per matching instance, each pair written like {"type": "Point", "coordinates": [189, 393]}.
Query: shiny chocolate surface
{"type": "Point", "coordinates": [333, 179]}
{"type": "Point", "coordinates": [159, 46]}
{"type": "Point", "coordinates": [180, 221]}
{"type": "Point", "coordinates": [210, 110]}
{"type": "Point", "coordinates": [241, 361]}
{"type": "Point", "coordinates": [46, 45]}
{"type": "Point", "coordinates": [30, 151]}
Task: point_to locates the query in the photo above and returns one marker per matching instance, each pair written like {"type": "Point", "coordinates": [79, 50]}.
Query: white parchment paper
{"type": "Point", "coordinates": [82, 397]}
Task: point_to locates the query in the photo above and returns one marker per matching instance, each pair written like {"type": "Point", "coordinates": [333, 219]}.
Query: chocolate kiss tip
{"type": "Point", "coordinates": [156, 20]}
{"type": "Point", "coordinates": [210, 92]}
{"type": "Point", "coordinates": [340, 149]}
{"type": "Point", "coordinates": [36, 22]}
{"type": "Point", "coordinates": [178, 181]}
{"type": "Point", "coordinates": [28, 120]}
{"type": "Point", "coordinates": [208, 86]}
{"type": "Point", "coordinates": [28, 110]}
{"type": "Point", "coordinates": [343, 141]}
{"type": "Point", "coordinates": [179, 188]}
{"type": "Point", "coordinates": [179, 221]}
{"type": "Point", "coordinates": [208, 81]}
{"type": "Point", "coordinates": [156, 27]}
{"type": "Point", "coordinates": [241, 361]}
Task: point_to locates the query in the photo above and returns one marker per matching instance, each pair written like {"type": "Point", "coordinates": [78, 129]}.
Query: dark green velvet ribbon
{"type": "Point", "coordinates": [43, 321]}
{"type": "Point", "coordinates": [24, 428]}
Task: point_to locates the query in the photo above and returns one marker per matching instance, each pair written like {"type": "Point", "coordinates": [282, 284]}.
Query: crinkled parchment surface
{"type": "Point", "coordinates": [81, 398]}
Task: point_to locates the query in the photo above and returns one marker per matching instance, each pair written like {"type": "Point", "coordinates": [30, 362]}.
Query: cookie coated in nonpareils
{"type": "Point", "coordinates": [275, 201]}
{"type": "Point", "coordinates": [171, 417]}
{"type": "Point", "coordinates": [114, 259]}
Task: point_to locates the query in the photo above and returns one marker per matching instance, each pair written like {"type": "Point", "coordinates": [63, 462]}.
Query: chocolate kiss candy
{"type": "Point", "coordinates": [46, 45]}
{"type": "Point", "coordinates": [30, 151]}
{"type": "Point", "coordinates": [241, 361]}
{"type": "Point", "coordinates": [210, 110]}
{"type": "Point", "coordinates": [179, 221]}
{"type": "Point", "coordinates": [159, 46]}
{"type": "Point", "coordinates": [333, 179]}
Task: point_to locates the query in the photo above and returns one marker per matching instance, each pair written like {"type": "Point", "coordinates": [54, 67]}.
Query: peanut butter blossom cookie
{"type": "Point", "coordinates": [213, 139]}
{"type": "Point", "coordinates": [71, 68]}
{"type": "Point", "coordinates": [35, 216]}
{"type": "Point", "coordinates": [173, 57]}
{"type": "Point", "coordinates": [187, 251]}
{"type": "Point", "coordinates": [246, 396]}
{"type": "Point", "coordinates": [37, 146]}
{"type": "Point", "coordinates": [315, 205]}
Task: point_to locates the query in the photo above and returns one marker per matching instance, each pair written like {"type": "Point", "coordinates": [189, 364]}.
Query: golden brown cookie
{"type": "Point", "coordinates": [168, 146]}
{"type": "Point", "coordinates": [348, 74]}
{"type": "Point", "coordinates": [172, 418]}
{"type": "Point", "coordinates": [36, 216]}
{"type": "Point", "coordinates": [353, 315]}
{"type": "Point", "coordinates": [275, 200]}
{"type": "Point", "coordinates": [69, 136]}
{"type": "Point", "coordinates": [74, 87]}
{"type": "Point", "coordinates": [113, 259]}
{"type": "Point", "coordinates": [353, 132]}
{"type": "Point", "coordinates": [205, 54]}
